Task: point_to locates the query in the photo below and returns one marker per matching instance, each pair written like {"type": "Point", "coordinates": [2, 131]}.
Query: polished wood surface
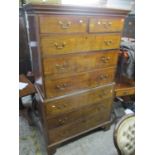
{"type": "Point", "coordinates": [105, 24]}
{"type": "Point", "coordinates": [84, 98]}
{"type": "Point", "coordinates": [73, 10]}
{"type": "Point", "coordinates": [129, 26]}
{"type": "Point", "coordinates": [124, 89]}
{"type": "Point", "coordinates": [74, 59]}
{"type": "Point", "coordinates": [62, 24]}
{"type": "Point", "coordinates": [103, 106]}
{"type": "Point", "coordinates": [81, 62]}
{"type": "Point", "coordinates": [64, 44]}
{"type": "Point", "coordinates": [63, 85]}
{"type": "Point", "coordinates": [29, 89]}
{"type": "Point", "coordinates": [78, 126]}
{"type": "Point", "coordinates": [74, 24]}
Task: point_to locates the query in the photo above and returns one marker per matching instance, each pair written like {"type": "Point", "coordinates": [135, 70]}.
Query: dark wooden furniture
{"type": "Point", "coordinates": [24, 55]}
{"type": "Point", "coordinates": [28, 90]}
{"type": "Point", "coordinates": [124, 87]}
{"type": "Point", "coordinates": [74, 52]}
{"type": "Point", "coordinates": [129, 26]}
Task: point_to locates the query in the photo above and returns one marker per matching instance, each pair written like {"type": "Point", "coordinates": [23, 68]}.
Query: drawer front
{"type": "Point", "coordinates": [103, 106]}
{"type": "Point", "coordinates": [60, 86]}
{"type": "Point", "coordinates": [63, 44]}
{"type": "Point", "coordinates": [71, 63]}
{"type": "Point", "coordinates": [67, 104]}
{"type": "Point", "coordinates": [62, 24]}
{"type": "Point", "coordinates": [125, 91]}
{"type": "Point", "coordinates": [101, 24]}
{"type": "Point", "coordinates": [78, 126]}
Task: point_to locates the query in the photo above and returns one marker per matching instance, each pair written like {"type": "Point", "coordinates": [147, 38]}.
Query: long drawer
{"type": "Point", "coordinates": [66, 104]}
{"type": "Point", "coordinates": [103, 106]}
{"type": "Point", "coordinates": [63, 44]}
{"type": "Point", "coordinates": [78, 126]}
{"type": "Point", "coordinates": [71, 63]}
{"type": "Point", "coordinates": [56, 86]}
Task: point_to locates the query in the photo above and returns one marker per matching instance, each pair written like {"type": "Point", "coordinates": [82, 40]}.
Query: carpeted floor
{"type": "Point", "coordinates": [96, 143]}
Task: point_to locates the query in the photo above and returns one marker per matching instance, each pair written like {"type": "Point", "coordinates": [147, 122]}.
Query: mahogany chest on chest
{"type": "Point", "coordinates": [74, 54]}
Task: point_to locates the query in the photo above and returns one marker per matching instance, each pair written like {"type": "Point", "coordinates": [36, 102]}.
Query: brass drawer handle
{"type": "Point", "coordinates": [62, 121]}
{"type": "Point", "coordinates": [103, 77]}
{"type": "Point", "coordinates": [59, 46]}
{"type": "Point", "coordinates": [104, 93]}
{"type": "Point", "coordinates": [98, 109]}
{"type": "Point", "coordinates": [125, 93]}
{"type": "Point", "coordinates": [101, 108]}
{"type": "Point", "coordinates": [105, 59]}
{"type": "Point", "coordinates": [107, 25]}
{"type": "Point", "coordinates": [62, 86]}
{"type": "Point", "coordinates": [61, 66]}
{"type": "Point", "coordinates": [108, 42]}
{"type": "Point", "coordinates": [84, 121]}
{"type": "Point", "coordinates": [65, 25]}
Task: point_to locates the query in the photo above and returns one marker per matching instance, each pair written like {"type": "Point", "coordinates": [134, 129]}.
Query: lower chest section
{"type": "Point", "coordinates": [71, 115]}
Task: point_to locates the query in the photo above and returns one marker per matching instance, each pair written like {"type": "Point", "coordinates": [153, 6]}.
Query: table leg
{"type": "Point", "coordinates": [21, 104]}
{"type": "Point", "coordinates": [25, 111]}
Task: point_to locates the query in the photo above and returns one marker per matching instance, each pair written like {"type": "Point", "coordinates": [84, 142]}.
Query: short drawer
{"type": "Point", "coordinates": [71, 63]}
{"type": "Point", "coordinates": [66, 104]}
{"type": "Point", "coordinates": [63, 44]}
{"type": "Point", "coordinates": [103, 107]}
{"type": "Point", "coordinates": [58, 86]}
{"type": "Point", "coordinates": [62, 24]}
{"type": "Point", "coordinates": [78, 126]}
{"type": "Point", "coordinates": [105, 24]}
